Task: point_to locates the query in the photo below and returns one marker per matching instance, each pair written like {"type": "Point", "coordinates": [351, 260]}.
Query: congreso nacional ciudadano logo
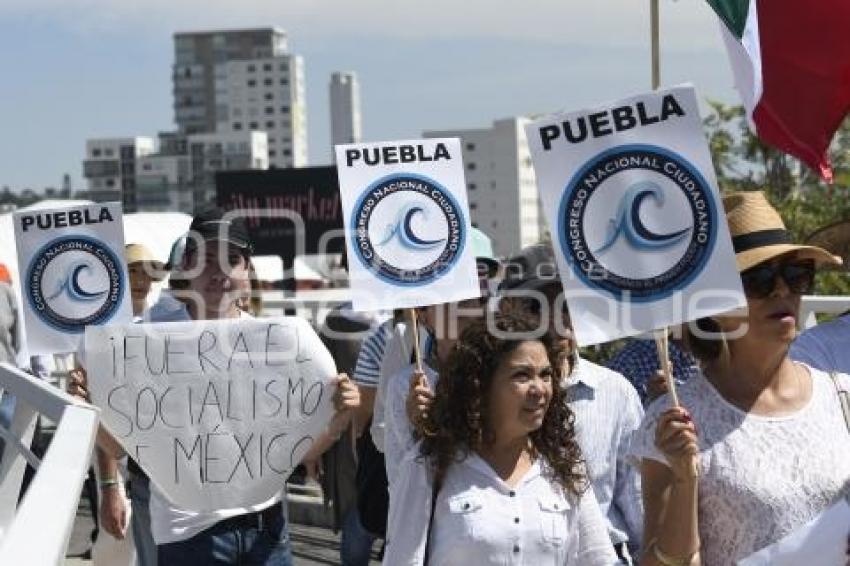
{"type": "Point", "coordinates": [408, 229]}
{"type": "Point", "coordinates": [74, 281]}
{"type": "Point", "coordinates": [638, 221]}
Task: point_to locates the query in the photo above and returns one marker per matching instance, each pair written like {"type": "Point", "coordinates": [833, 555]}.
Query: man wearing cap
{"type": "Point", "coordinates": [606, 406]}
{"type": "Point", "coordinates": [214, 262]}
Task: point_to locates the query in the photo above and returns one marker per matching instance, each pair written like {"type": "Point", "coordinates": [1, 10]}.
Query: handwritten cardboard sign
{"type": "Point", "coordinates": [217, 413]}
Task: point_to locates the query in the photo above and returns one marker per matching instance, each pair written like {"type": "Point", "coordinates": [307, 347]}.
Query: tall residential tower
{"type": "Point", "coordinates": [232, 81]}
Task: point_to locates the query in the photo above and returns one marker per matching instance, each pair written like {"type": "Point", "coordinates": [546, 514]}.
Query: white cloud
{"type": "Point", "coordinates": [686, 24]}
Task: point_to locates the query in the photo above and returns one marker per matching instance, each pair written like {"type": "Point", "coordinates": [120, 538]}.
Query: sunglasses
{"type": "Point", "coordinates": [760, 281]}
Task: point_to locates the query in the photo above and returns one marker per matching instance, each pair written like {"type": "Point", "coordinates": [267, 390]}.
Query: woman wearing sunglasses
{"type": "Point", "coordinates": [760, 445]}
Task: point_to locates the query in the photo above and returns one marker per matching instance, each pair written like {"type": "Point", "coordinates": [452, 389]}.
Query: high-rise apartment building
{"type": "Point", "coordinates": [500, 183]}
{"type": "Point", "coordinates": [346, 124]}
{"type": "Point", "coordinates": [232, 81]}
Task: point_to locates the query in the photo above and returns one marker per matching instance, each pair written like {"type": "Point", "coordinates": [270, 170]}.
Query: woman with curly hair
{"type": "Point", "coordinates": [497, 477]}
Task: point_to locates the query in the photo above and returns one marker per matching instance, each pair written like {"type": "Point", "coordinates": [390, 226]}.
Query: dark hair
{"type": "Point", "coordinates": [707, 343]}
{"type": "Point", "coordinates": [457, 422]}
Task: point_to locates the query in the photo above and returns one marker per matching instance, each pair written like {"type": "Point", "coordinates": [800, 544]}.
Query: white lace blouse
{"type": "Point", "coordinates": [760, 477]}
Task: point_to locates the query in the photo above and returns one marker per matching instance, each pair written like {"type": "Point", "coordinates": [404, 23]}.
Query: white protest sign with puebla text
{"type": "Point", "coordinates": [217, 413]}
{"type": "Point", "coordinates": [73, 274]}
{"type": "Point", "coordinates": [635, 214]}
{"type": "Point", "coordinates": [406, 223]}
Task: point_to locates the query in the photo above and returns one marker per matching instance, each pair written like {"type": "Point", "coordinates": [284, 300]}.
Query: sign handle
{"type": "Point", "coordinates": [416, 351]}
{"type": "Point", "coordinates": [654, 34]}
{"type": "Point", "coordinates": [662, 346]}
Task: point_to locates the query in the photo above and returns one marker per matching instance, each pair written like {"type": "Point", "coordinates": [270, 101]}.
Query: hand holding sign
{"type": "Point", "coordinates": [217, 413]}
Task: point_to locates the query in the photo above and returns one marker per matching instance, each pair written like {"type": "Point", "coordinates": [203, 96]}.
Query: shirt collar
{"type": "Point", "coordinates": [584, 373]}
{"type": "Point", "coordinates": [478, 464]}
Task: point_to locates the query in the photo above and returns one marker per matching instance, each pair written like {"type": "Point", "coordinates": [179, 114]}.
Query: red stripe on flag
{"type": "Point", "coordinates": [805, 50]}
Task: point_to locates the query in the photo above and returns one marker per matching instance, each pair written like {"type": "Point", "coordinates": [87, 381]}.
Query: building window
{"type": "Point", "coordinates": [473, 206]}
{"type": "Point", "coordinates": [471, 186]}
{"type": "Point", "coordinates": [272, 153]}
{"type": "Point", "coordinates": [284, 109]}
{"type": "Point", "coordinates": [269, 96]}
{"type": "Point", "coordinates": [286, 152]}
{"type": "Point", "coordinates": [268, 82]}
{"type": "Point", "coordinates": [254, 126]}
{"type": "Point", "coordinates": [251, 68]}
{"type": "Point", "coordinates": [95, 152]}
{"type": "Point", "coordinates": [284, 81]}
{"type": "Point", "coordinates": [270, 141]}
{"type": "Point", "coordinates": [267, 67]}
{"type": "Point", "coordinates": [187, 72]}
{"type": "Point", "coordinates": [470, 147]}
{"type": "Point", "coordinates": [108, 152]}
{"type": "Point", "coordinates": [471, 166]}
{"type": "Point", "coordinates": [284, 67]}
{"type": "Point", "coordinates": [269, 110]}
{"type": "Point", "coordinates": [237, 125]}
{"type": "Point", "coordinates": [110, 183]}
{"type": "Point", "coordinates": [252, 82]}
{"type": "Point", "coordinates": [270, 124]}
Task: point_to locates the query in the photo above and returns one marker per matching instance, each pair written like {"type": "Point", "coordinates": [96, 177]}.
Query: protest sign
{"type": "Point", "coordinates": [73, 275]}
{"type": "Point", "coordinates": [406, 223]}
{"type": "Point", "coordinates": [635, 214]}
{"type": "Point", "coordinates": [217, 413]}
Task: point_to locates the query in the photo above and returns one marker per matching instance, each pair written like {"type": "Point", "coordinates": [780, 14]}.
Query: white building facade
{"type": "Point", "coordinates": [179, 177]}
{"type": "Point", "coordinates": [266, 95]}
{"type": "Point", "coordinates": [110, 168]}
{"type": "Point", "coordinates": [500, 183]}
{"type": "Point", "coordinates": [346, 122]}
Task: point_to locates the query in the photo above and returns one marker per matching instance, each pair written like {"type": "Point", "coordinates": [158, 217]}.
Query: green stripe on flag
{"type": "Point", "coordinates": [733, 13]}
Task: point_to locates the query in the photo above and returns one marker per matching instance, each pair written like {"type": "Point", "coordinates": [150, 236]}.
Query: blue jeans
{"type": "Point", "coordinates": [255, 539]}
{"type": "Point", "coordinates": [140, 522]}
{"type": "Point", "coordinates": [356, 547]}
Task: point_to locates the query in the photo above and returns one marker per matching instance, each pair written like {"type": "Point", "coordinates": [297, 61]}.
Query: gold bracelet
{"type": "Point", "coordinates": [668, 560]}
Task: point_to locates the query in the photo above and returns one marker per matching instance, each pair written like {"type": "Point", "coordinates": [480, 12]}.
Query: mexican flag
{"type": "Point", "coordinates": [791, 60]}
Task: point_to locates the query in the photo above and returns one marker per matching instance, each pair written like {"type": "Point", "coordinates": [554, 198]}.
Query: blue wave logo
{"type": "Point", "coordinates": [71, 287]}
{"type": "Point", "coordinates": [402, 229]}
{"type": "Point", "coordinates": [628, 224]}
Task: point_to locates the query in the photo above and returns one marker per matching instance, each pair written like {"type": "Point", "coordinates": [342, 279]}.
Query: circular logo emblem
{"type": "Point", "coordinates": [73, 282]}
{"type": "Point", "coordinates": [638, 221]}
{"type": "Point", "coordinates": [408, 229]}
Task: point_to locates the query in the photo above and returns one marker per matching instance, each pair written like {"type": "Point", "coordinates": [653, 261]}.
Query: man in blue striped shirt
{"type": "Point", "coordinates": [606, 406]}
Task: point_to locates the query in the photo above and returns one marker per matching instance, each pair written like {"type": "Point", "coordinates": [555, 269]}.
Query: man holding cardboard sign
{"type": "Point", "coordinates": [216, 413]}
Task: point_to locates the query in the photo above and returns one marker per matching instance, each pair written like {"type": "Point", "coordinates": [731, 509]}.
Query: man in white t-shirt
{"type": "Point", "coordinates": [255, 535]}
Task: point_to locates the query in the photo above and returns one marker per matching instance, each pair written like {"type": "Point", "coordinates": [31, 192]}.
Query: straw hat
{"type": "Point", "coordinates": [140, 253]}
{"type": "Point", "coordinates": [835, 238]}
{"type": "Point", "coordinates": [759, 235]}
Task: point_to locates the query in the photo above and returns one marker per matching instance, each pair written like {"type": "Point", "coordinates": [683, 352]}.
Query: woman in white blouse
{"type": "Point", "coordinates": [497, 477]}
{"type": "Point", "coordinates": [760, 446]}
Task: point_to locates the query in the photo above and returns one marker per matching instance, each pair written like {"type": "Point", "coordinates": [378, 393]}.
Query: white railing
{"type": "Point", "coordinates": [37, 533]}
{"type": "Point", "coordinates": [821, 304]}
{"type": "Point", "coordinates": [314, 305]}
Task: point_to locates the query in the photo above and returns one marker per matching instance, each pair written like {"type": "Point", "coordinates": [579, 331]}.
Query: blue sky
{"type": "Point", "coordinates": [74, 69]}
